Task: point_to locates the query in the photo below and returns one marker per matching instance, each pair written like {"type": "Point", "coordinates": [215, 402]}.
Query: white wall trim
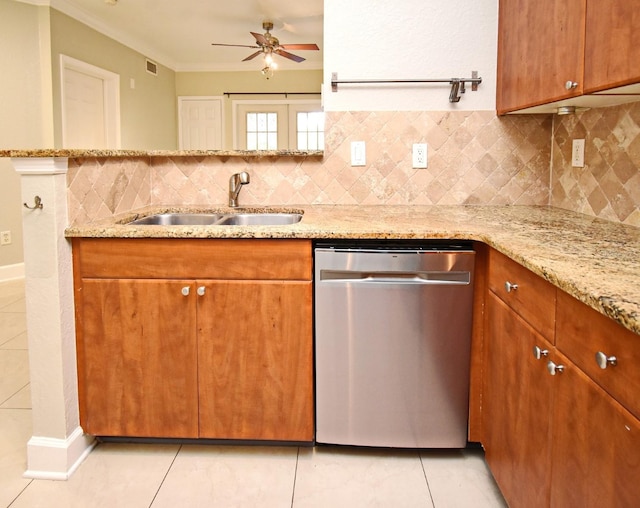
{"type": "Point", "coordinates": [40, 166]}
{"type": "Point", "coordinates": [11, 272]}
{"type": "Point", "coordinates": [57, 459]}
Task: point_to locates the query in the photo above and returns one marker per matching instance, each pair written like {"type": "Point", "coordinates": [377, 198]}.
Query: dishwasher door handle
{"type": "Point", "coordinates": [368, 277]}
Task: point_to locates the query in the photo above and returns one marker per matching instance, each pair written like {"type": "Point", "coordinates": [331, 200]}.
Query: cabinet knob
{"type": "Point", "coordinates": [604, 361]}
{"type": "Point", "coordinates": [554, 369]}
{"type": "Point", "coordinates": [186, 290]}
{"type": "Point", "coordinates": [539, 353]}
{"type": "Point", "coordinates": [200, 291]}
{"type": "Point", "coordinates": [570, 85]}
{"type": "Point", "coordinates": [509, 286]}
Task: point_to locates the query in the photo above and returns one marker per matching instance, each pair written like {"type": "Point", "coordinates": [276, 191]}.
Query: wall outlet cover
{"type": "Point", "coordinates": [419, 155]}
{"type": "Point", "coordinates": [577, 153]}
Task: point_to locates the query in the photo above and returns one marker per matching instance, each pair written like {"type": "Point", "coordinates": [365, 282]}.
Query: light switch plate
{"type": "Point", "coordinates": [358, 153]}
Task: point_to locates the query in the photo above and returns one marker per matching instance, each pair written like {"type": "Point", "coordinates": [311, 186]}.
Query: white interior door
{"type": "Point", "coordinates": [200, 123]}
{"type": "Point", "coordinates": [84, 111]}
{"type": "Point", "coordinates": [90, 105]}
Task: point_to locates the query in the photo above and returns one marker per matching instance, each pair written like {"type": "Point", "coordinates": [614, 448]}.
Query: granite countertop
{"type": "Point", "coordinates": [102, 153]}
{"type": "Point", "coordinates": [594, 260]}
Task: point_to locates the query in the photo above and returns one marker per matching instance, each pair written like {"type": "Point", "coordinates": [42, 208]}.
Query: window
{"type": "Point", "coordinates": [278, 125]}
{"type": "Point", "coordinates": [310, 130]}
{"type": "Point", "coordinates": [262, 131]}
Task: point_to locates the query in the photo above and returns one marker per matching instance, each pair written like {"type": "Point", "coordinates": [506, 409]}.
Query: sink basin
{"type": "Point", "coordinates": [260, 219]}
{"type": "Point", "coordinates": [179, 219]}
{"type": "Point", "coordinates": [218, 219]}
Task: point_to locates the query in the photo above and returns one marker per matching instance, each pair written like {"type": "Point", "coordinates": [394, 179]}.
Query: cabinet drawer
{"type": "Point", "coordinates": [177, 258]}
{"type": "Point", "coordinates": [532, 297]}
{"type": "Point", "coordinates": [582, 333]}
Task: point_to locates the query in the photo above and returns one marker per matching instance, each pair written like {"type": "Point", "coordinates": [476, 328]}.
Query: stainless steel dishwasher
{"type": "Point", "coordinates": [393, 335]}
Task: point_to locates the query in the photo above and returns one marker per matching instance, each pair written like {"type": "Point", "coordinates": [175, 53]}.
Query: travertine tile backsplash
{"type": "Point", "coordinates": [609, 184]}
{"type": "Point", "coordinates": [474, 158]}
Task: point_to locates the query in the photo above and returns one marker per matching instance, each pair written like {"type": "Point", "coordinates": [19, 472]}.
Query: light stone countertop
{"type": "Point", "coordinates": [594, 260]}
{"type": "Point", "coordinates": [99, 153]}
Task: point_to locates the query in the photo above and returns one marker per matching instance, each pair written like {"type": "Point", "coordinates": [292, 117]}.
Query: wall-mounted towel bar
{"type": "Point", "coordinates": [286, 94]}
{"type": "Point", "coordinates": [457, 84]}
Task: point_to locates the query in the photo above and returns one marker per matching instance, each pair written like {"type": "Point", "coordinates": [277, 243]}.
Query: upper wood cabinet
{"type": "Point", "coordinates": [552, 50]}
{"type": "Point", "coordinates": [612, 44]}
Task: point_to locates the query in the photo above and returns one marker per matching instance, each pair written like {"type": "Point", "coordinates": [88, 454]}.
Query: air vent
{"type": "Point", "coordinates": [152, 67]}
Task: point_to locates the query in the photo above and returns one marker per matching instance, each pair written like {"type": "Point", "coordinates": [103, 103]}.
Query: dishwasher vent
{"type": "Point", "coordinates": [152, 67]}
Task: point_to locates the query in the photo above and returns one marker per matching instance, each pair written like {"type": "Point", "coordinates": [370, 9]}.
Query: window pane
{"type": "Point", "coordinates": [272, 122]}
{"type": "Point", "coordinates": [302, 141]}
{"type": "Point", "coordinates": [272, 143]}
{"type": "Point", "coordinates": [262, 140]}
{"type": "Point", "coordinates": [310, 129]}
{"type": "Point", "coordinates": [252, 141]}
{"type": "Point", "coordinates": [251, 122]}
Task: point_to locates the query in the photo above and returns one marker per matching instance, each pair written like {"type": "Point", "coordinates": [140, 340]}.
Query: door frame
{"type": "Point", "coordinates": [111, 95]}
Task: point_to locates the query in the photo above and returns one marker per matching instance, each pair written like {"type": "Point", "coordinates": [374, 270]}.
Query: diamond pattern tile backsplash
{"type": "Point", "coordinates": [474, 157]}
{"type": "Point", "coordinates": [609, 185]}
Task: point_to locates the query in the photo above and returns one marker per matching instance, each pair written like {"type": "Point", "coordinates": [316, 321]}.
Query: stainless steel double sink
{"type": "Point", "coordinates": [218, 219]}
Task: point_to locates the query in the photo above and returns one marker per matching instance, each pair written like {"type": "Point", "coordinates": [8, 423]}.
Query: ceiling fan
{"type": "Point", "coordinates": [267, 44]}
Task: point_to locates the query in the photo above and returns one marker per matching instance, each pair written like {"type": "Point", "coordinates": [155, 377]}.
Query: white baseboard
{"type": "Point", "coordinates": [57, 459]}
{"type": "Point", "coordinates": [11, 272]}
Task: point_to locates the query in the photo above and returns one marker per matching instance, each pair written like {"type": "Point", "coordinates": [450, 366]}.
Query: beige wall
{"type": "Point", "coordinates": [26, 108]}
{"type": "Point", "coordinates": [147, 112]}
{"type": "Point", "coordinates": [219, 83]}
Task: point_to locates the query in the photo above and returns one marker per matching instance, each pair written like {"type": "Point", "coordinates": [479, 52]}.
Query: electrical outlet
{"type": "Point", "coordinates": [577, 153]}
{"type": "Point", "coordinates": [5, 237]}
{"type": "Point", "coordinates": [419, 155]}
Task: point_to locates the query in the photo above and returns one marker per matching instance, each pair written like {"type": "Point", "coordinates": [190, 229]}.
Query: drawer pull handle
{"type": "Point", "coordinates": [570, 85]}
{"type": "Point", "coordinates": [554, 369]}
{"type": "Point", "coordinates": [186, 290]}
{"type": "Point", "coordinates": [509, 286]}
{"type": "Point", "coordinates": [200, 291]}
{"type": "Point", "coordinates": [539, 353]}
{"type": "Point", "coordinates": [604, 361]}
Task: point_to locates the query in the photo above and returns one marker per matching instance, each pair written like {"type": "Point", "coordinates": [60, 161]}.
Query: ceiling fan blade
{"type": "Point", "coordinates": [252, 56]}
{"type": "Point", "coordinates": [261, 39]}
{"type": "Point", "coordinates": [311, 47]}
{"type": "Point", "coordinates": [290, 56]}
{"type": "Point", "coordinates": [234, 45]}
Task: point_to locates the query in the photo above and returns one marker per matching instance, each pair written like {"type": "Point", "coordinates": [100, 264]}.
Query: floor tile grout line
{"type": "Point", "coordinates": [20, 493]}
{"type": "Point", "coordinates": [165, 475]}
{"type": "Point", "coordinates": [295, 476]}
{"type": "Point", "coordinates": [13, 395]}
{"type": "Point", "coordinates": [426, 479]}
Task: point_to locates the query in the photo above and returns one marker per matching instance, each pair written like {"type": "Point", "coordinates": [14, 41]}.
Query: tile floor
{"type": "Point", "coordinates": [174, 475]}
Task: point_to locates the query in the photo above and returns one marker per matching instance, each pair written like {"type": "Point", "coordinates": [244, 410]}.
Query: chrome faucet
{"type": "Point", "coordinates": [236, 182]}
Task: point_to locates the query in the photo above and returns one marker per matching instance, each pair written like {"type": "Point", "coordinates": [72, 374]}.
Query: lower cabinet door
{"type": "Point", "coordinates": [255, 364]}
{"type": "Point", "coordinates": [596, 457]}
{"type": "Point", "coordinates": [517, 410]}
{"type": "Point", "coordinates": [137, 353]}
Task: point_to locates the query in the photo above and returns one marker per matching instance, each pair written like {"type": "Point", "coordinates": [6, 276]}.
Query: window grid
{"type": "Point", "coordinates": [262, 131]}
{"type": "Point", "coordinates": [310, 130]}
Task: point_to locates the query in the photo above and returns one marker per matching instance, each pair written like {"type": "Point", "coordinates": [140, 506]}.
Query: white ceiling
{"type": "Point", "coordinates": [179, 33]}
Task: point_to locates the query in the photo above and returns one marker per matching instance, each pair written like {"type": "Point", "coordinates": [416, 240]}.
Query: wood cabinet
{"type": "Point", "coordinates": [612, 44]}
{"type": "Point", "coordinates": [540, 48]}
{"type": "Point", "coordinates": [195, 338]}
{"type": "Point", "coordinates": [558, 429]}
{"type": "Point", "coordinates": [518, 404]}
{"type": "Point", "coordinates": [137, 375]}
{"type": "Point", "coordinates": [254, 374]}
{"type": "Point", "coordinates": [596, 456]}
{"type": "Point", "coordinates": [543, 45]}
